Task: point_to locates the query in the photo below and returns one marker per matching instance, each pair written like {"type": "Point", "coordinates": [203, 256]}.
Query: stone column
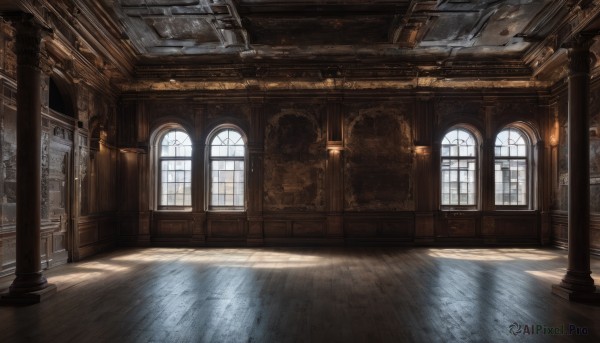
{"type": "Point", "coordinates": [30, 285]}
{"type": "Point", "coordinates": [577, 284]}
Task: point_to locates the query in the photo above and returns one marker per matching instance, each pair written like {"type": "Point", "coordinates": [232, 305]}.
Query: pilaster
{"type": "Point", "coordinates": [424, 188]}
{"type": "Point", "coordinates": [334, 169]}
{"type": "Point", "coordinates": [255, 173]}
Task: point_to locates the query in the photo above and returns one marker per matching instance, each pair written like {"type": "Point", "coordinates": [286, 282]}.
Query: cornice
{"type": "Point", "coordinates": [81, 44]}
{"type": "Point", "coordinates": [420, 83]}
{"type": "Point", "coordinates": [549, 53]}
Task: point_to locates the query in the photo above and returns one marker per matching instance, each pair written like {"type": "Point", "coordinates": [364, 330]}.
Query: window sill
{"type": "Point", "coordinates": [184, 210]}
{"type": "Point", "coordinates": [458, 209]}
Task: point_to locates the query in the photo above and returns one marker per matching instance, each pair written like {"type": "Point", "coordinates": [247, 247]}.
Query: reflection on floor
{"type": "Point", "coordinates": [307, 294]}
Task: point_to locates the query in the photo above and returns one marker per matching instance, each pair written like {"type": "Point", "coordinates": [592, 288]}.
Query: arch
{"type": "Point", "coordinates": [172, 168]}
{"type": "Point", "coordinates": [459, 168]}
{"type": "Point", "coordinates": [513, 170]}
{"type": "Point", "coordinates": [226, 168]}
{"type": "Point", "coordinates": [59, 98]}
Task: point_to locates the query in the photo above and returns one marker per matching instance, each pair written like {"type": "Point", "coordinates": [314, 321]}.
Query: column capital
{"type": "Point", "coordinates": [581, 41]}
{"type": "Point", "coordinates": [28, 39]}
{"type": "Point", "coordinates": [578, 53]}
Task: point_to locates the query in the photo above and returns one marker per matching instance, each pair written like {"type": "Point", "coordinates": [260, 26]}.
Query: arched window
{"type": "Point", "coordinates": [511, 163]}
{"type": "Point", "coordinates": [174, 170]}
{"type": "Point", "coordinates": [459, 168]}
{"type": "Point", "coordinates": [227, 151]}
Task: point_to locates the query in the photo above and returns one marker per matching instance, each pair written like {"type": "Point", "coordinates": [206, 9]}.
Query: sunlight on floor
{"type": "Point", "coordinates": [493, 254]}
{"type": "Point", "coordinates": [236, 258]}
{"type": "Point", "coordinates": [84, 272]}
{"type": "Point", "coordinates": [554, 275]}
{"type": "Point", "coordinates": [102, 267]}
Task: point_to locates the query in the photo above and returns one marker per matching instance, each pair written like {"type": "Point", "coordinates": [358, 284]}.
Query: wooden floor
{"type": "Point", "coordinates": [306, 295]}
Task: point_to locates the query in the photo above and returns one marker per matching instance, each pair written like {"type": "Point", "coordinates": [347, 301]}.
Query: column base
{"type": "Point", "coordinates": [576, 296]}
{"type": "Point", "coordinates": [29, 298]}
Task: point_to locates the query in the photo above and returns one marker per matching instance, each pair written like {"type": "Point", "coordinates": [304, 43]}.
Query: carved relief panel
{"type": "Point", "coordinates": [595, 151]}
{"type": "Point", "coordinates": [8, 57]}
{"type": "Point", "coordinates": [85, 105]}
{"type": "Point", "coordinates": [45, 165]}
{"type": "Point", "coordinates": [8, 159]}
{"type": "Point", "coordinates": [58, 174]}
{"type": "Point", "coordinates": [82, 174]}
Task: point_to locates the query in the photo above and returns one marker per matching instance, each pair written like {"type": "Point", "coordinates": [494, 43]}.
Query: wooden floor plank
{"type": "Point", "coordinates": [305, 295]}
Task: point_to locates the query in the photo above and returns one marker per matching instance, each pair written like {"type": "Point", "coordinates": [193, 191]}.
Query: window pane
{"type": "Point", "coordinates": [176, 178]}
{"type": "Point", "coordinates": [227, 169]}
{"type": "Point", "coordinates": [227, 143]}
{"type": "Point", "coordinates": [458, 182]}
{"type": "Point", "coordinates": [511, 162]}
{"type": "Point", "coordinates": [511, 181]}
{"type": "Point", "coordinates": [175, 143]}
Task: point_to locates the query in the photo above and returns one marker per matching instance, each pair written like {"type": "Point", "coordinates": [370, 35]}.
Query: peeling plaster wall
{"type": "Point", "coordinates": [295, 158]}
{"type": "Point", "coordinates": [379, 160]}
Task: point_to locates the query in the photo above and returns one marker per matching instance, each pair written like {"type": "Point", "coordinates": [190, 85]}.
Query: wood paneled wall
{"type": "Point", "coordinates": [347, 168]}
{"type": "Point", "coordinates": [78, 165]}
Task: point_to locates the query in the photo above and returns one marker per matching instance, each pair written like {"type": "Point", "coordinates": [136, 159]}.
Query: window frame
{"type": "Point", "coordinates": [208, 170]}
{"type": "Point", "coordinates": [528, 174]}
{"type": "Point", "coordinates": [159, 136]}
{"type": "Point", "coordinates": [477, 149]}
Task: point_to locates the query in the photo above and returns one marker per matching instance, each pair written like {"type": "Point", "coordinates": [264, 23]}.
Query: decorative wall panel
{"type": "Point", "coordinates": [8, 59]}
{"type": "Point", "coordinates": [308, 229]}
{"type": "Point", "coordinates": [294, 160]}
{"type": "Point", "coordinates": [8, 162]}
{"type": "Point", "coordinates": [173, 227]}
{"type": "Point", "coordinates": [277, 229]}
{"type": "Point", "coordinates": [226, 229]}
{"type": "Point", "coordinates": [379, 160]}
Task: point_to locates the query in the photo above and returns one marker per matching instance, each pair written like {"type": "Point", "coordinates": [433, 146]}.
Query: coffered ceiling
{"type": "Point", "coordinates": [338, 30]}
{"type": "Point", "coordinates": [354, 39]}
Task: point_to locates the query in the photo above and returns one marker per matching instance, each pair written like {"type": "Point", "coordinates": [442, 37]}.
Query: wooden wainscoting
{"type": "Point", "coordinates": [379, 227]}
{"type": "Point", "coordinates": [53, 244]}
{"type": "Point", "coordinates": [494, 227]}
{"type": "Point", "coordinates": [458, 226]}
{"type": "Point", "coordinates": [288, 228]}
{"type": "Point", "coordinates": [226, 228]}
{"type": "Point", "coordinates": [511, 227]}
{"type": "Point", "coordinates": [560, 230]}
{"type": "Point", "coordinates": [96, 233]}
{"type": "Point", "coordinates": [171, 228]}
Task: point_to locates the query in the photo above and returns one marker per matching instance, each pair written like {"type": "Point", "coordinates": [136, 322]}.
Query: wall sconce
{"type": "Point", "coordinates": [422, 150]}
{"type": "Point", "coordinates": [335, 149]}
